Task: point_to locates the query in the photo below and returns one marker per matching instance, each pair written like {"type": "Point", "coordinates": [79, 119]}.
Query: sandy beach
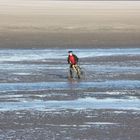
{"type": "Point", "coordinates": [35, 24]}
{"type": "Point", "coordinates": [38, 100]}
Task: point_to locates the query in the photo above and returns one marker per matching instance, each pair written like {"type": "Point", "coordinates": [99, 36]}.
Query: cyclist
{"type": "Point", "coordinates": [73, 60]}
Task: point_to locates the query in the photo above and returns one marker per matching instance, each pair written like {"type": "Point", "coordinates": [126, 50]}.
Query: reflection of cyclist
{"type": "Point", "coordinates": [73, 60]}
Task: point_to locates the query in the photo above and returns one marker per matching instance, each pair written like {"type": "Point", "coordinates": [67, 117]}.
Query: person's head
{"type": "Point", "coordinates": [70, 52]}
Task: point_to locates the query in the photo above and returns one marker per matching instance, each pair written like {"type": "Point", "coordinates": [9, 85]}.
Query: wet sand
{"type": "Point", "coordinates": [39, 101]}
{"type": "Point", "coordinates": [70, 124]}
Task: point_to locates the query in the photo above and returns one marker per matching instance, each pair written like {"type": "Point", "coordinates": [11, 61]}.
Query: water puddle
{"type": "Point", "coordinates": [81, 103]}
{"type": "Point", "coordinates": [120, 84]}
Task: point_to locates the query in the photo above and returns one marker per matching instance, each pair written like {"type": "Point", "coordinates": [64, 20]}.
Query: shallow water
{"type": "Point", "coordinates": [38, 100]}
{"type": "Point", "coordinates": [38, 70]}
{"type": "Point", "coordinates": [43, 54]}
{"type": "Point", "coordinates": [119, 85]}
{"type": "Point", "coordinates": [81, 103]}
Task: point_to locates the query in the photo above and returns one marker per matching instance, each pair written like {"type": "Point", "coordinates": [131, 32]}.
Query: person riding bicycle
{"type": "Point", "coordinates": [73, 60]}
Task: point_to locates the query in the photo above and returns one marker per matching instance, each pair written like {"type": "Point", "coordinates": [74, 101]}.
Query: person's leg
{"type": "Point", "coordinates": [77, 70]}
{"type": "Point", "coordinates": [71, 75]}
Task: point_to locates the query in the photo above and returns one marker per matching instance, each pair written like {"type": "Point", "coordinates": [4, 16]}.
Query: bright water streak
{"type": "Point", "coordinates": [41, 54]}
{"type": "Point", "coordinates": [81, 103]}
{"type": "Point", "coordinates": [120, 84]}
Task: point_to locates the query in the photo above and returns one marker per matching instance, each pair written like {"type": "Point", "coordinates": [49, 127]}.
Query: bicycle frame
{"type": "Point", "coordinates": [75, 71]}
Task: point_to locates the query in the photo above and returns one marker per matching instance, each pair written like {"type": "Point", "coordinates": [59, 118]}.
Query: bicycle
{"type": "Point", "coordinates": [75, 71]}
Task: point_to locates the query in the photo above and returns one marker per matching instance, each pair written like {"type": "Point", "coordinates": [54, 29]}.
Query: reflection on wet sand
{"type": "Point", "coordinates": [36, 94]}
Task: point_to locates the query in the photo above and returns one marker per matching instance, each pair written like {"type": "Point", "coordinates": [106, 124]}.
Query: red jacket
{"type": "Point", "coordinates": [72, 59]}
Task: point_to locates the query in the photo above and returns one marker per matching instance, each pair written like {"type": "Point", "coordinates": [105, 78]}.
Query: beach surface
{"type": "Point", "coordinates": [38, 100]}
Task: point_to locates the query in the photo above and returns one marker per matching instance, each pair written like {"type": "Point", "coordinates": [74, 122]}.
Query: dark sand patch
{"type": "Point", "coordinates": [70, 124]}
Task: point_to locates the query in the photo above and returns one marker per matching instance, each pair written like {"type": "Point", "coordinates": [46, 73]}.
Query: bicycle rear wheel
{"type": "Point", "coordinates": [72, 73]}
{"type": "Point", "coordinates": [82, 72]}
